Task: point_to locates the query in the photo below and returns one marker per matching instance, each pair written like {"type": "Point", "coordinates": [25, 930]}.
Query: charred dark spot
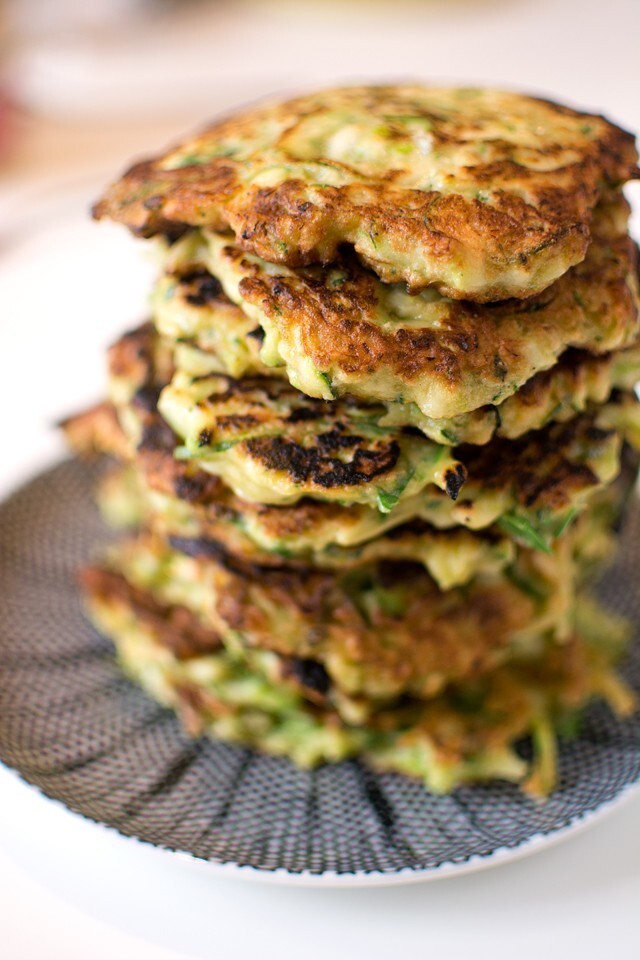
{"type": "Point", "coordinates": [543, 468]}
{"type": "Point", "coordinates": [173, 232]}
{"type": "Point", "coordinates": [302, 414]}
{"type": "Point", "coordinates": [304, 206]}
{"type": "Point", "coordinates": [198, 547]}
{"type": "Point", "coordinates": [284, 578]}
{"type": "Point", "coordinates": [500, 368]}
{"type": "Point", "coordinates": [274, 389]}
{"type": "Point", "coordinates": [157, 435]}
{"type": "Point", "coordinates": [391, 573]}
{"type": "Point", "coordinates": [337, 439]}
{"type": "Point", "coordinates": [597, 434]}
{"type": "Point", "coordinates": [206, 288]}
{"type": "Point", "coordinates": [234, 423]}
{"type": "Point", "coordinates": [414, 527]}
{"type": "Point", "coordinates": [146, 398]}
{"type": "Point", "coordinates": [199, 487]}
{"type": "Point", "coordinates": [555, 487]}
{"type": "Point", "coordinates": [315, 465]}
{"type": "Point", "coordinates": [277, 289]}
{"type": "Point", "coordinates": [454, 480]}
{"type": "Point", "coordinates": [309, 674]}
{"type": "Point", "coordinates": [204, 437]}
{"type": "Point", "coordinates": [187, 488]}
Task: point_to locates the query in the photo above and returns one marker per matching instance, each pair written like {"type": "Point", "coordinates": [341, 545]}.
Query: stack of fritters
{"type": "Point", "coordinates": [376, 438]}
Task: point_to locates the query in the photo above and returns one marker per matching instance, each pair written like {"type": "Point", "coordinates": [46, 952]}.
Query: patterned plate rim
{"type": "Point", "coordinates": [360, 878]}
{"type": "Point", "coordinates": [473, 862]}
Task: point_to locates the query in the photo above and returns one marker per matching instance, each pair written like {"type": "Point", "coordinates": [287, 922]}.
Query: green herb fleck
{"type": "Point", "coordinates": [579, 299]}
{"type": "Point", "coordinates": [327, 379]}
{"type": "Point", "coordinates": [565, 523]}
{"type": "Point", "coordinates": [409, 118]}
{"type": "Point", "coordinates": [525, 584]}
{"type": "Point", "coordinates": [189, 160]}
{"type": "Point", "coordinates": [386, 501]}
{"type": "Point", "coordinates": [282, 552]}
{"type": "Point", "coordinates": [390, 602]}
{"type": "Point", "coordinates": [197, 159]}
{"type": "Point", "coordinates": [522, 529]}
{"type": "Point", "coordinates": [533, 307]}
{"type": "Point", "coordinates": [568, 725]}
{"type": "Point", "coordinates": [468, 699]}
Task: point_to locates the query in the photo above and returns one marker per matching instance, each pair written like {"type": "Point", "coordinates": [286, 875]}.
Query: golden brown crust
{"type": "Point", "coordinates": [96, 431]}
{"type": "Point", "coordinates": [437, 635]}
{"type": "Point", "coordinates": [423, 640]}
{"type": "Point", "coordinates": [178, 478]}
{"type": "Point", "coordinates": [544, 469]}
{"type": "Point", "coordinates": [177, 628]}
{"type": "Point", "coordinates": [510, 700]}
{"type": "Point", "coordinates": [143, 360]}
{"type": "Point", "coordinates": [485, 194]}
{"type": "Point", "coordinates": [451, 357]}
{"type": "Point", "coordinates": [335, 450]}
{"type": "Point", "coordinates": [601, 314]}
{"type": "Point", "coordinates": [181, 631]}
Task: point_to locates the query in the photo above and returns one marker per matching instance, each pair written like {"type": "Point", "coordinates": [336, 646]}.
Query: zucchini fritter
{"type": "Point", "coordinates": [452, 557]}
{"type": "Point", "coordinates": [533, 499]}
{"type": "Point", "coordinates": [289, 705]}
{"type": "Point", "coordinates": [235, 429]}
{"type": "Point", "coordinates": [213, 336]}
{"type": "Point", "coordinates": [274, 445]}
{"type": "Point", "coordinates": [375, 441]}
{"type": "Point", "coordinates": [484, 194]}
{"type": "Point", "coordinates": [379, 631]}
{"type": "Point", "coordinates": [340, 331]}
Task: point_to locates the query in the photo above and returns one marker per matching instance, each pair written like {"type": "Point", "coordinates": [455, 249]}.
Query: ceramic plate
{"type": "Point", "coordinates": [72, 725]}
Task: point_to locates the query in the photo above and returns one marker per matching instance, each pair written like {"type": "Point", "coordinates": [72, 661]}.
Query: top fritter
{"type": "Point", "coordinates": [486, 195]}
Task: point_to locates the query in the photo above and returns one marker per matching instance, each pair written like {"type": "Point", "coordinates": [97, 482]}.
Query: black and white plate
{"type": "Point", "coordinates": [74, 727]}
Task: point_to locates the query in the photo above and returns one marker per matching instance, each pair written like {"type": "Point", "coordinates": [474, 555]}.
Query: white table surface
{"type": "Point", "coordinates": [74, 891]}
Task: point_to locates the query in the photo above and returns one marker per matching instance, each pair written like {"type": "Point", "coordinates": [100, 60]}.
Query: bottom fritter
{"type": "Point", "coordinates": [470, 730]}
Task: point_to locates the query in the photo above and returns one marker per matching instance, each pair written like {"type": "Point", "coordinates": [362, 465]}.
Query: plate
{"type": "Point", "coordinates": [73, 726]}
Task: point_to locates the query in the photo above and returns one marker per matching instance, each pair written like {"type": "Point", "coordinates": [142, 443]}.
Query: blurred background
{"type": "Point", "coordinates": [87, 85]}
{"type": "Point", "coordinates": [94, 80]}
